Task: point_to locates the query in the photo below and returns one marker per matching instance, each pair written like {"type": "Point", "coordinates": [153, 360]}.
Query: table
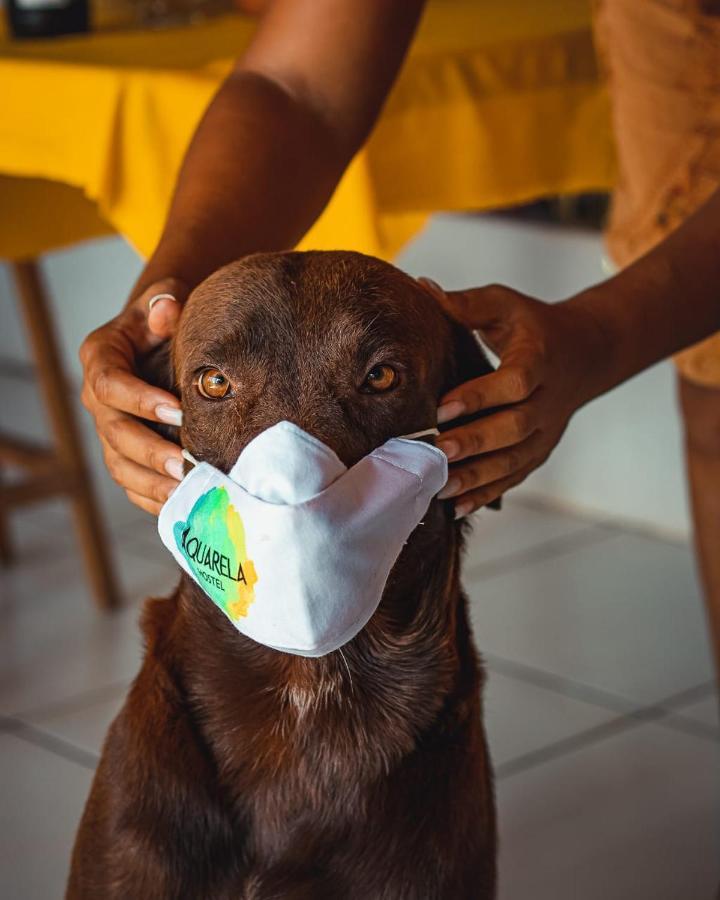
{"type": "Point", "coordinates": [498, 103]}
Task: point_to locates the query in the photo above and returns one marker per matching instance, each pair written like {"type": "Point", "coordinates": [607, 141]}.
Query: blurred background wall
{"type": "Point", "coordinates": [620, 458]}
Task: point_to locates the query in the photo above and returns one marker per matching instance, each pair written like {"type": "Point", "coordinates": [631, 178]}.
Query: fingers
{"type": "Point", "coordinates": [149, 506]}
{"type": "Point", "coordinates": [508, 384]}
{"type": "Point", "coordinates": [479, 307]}
{"type": "Point", "coordinates": [163, 302]}
{"type": "Point", "coordinates": [129, 438]}
{"type": "Point", "coordinates": [137, 479]}
{"type": "Point", "coordinates": [148, 467]}
{"type": "Point", "coordinates": [491, 467]}
{"type": "Point", "coordinates": [480, 497]}
{"type": "Point", "coordinates": [109, 382]}
{"type": "Point", "coordinates": [163, 315]}
{"type": "Point", "coordinates": [505, 428]}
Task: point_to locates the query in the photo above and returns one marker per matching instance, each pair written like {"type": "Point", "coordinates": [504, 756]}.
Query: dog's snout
{"type": "Point", "coordinates": [328, 429]}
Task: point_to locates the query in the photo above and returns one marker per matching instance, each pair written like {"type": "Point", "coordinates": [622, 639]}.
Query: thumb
{"type": "Point", "coordinates": [164, 301]}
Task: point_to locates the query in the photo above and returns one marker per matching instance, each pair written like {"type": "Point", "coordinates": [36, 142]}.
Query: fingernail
{"type": "Point", "coordinates": [449, 448]}
{"type": "Point", "coordinates": [450, 410]}
{"type": "Point", "coordinates": [450, 489]}
{"type": "Point", "coordinates": [171, 415]}
{"type": "Point", "coordinates": [175, 468]}
{"type": "Point", "coordinates": [153, 300]}
{"type": "Point", "coordinates": [463, 509]}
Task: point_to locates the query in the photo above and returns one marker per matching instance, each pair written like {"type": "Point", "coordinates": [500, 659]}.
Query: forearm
{"type": "Point", "coordinates": [278, 135]}
{"type": "Point", "coordinates": [664, 302]}
{"type": "Point", "coordinates": [259, 170]}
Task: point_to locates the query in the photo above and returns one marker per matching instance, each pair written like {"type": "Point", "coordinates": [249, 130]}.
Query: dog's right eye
{"type": "Point", "coordinates": [379, 379]}
{"type": "Point", "coordinates": [212, 384]}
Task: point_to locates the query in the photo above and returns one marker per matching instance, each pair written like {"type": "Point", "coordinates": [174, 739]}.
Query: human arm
{"type": "Point", "coordinates": [262, 165]}
{"type": "Point", "coordinates": [557, 357]}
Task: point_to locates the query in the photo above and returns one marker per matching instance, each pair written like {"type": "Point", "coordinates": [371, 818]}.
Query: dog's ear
{"type": "Point", "coordinates": [468, 360]}
{"type": "Point", "coordinates": [156, 368]}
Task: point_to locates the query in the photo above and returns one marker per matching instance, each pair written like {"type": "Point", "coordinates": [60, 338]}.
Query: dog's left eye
{"type": "Point", "coordinates": [379, 379]}
{"type": "Point", "coordinates": [212, 384]}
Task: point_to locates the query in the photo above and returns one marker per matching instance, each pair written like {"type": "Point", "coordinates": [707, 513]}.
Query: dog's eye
{"type": "Point", "coordinates": [213, 384]}
{"type": "Point", "coordinates": [380, 378]}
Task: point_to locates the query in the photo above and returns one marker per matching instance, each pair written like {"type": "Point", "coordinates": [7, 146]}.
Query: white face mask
{"type": "Point", "coordinates": [294, 547]}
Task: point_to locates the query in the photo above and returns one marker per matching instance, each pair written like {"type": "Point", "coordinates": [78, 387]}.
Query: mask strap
{"type": "Point", "coordinates": [189, 457]}
{"type": "Point", "coordinates": [419, 434]}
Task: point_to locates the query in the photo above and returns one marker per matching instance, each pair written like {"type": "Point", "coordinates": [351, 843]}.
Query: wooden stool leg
{"type": "Point", "coordinates": [68, 445]}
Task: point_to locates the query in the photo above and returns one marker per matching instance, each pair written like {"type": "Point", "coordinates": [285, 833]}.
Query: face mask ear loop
{"type": "Point", "coordinates": [189, 457]}
{"type": "Point", "coordinates": [419, 434]}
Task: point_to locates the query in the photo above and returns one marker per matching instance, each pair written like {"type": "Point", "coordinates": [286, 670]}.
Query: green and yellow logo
{"type": "Point", "coordinates": [212, 540]}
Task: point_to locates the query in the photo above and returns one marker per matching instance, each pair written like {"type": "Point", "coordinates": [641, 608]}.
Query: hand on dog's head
{"type": "Point", "coordinates": [348, 347]}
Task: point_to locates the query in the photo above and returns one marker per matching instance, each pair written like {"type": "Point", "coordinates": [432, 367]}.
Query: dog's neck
{"type": "Point", "coordinates": [367, 703]}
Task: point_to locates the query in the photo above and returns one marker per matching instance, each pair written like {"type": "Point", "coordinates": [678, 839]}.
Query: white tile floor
{"type": "Point", "coordinates": [601, 709]}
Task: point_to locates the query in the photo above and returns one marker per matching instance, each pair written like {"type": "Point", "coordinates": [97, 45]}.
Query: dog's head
{"type": "Point", "coordinates": [346, 346]}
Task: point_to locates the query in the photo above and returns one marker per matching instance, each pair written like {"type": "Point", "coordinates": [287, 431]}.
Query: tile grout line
{"type": "Point", "coordinates": [49, 742]}
{"type": "Point", "coordinates": [585, 535]}
{"type": "Point", "coordinates": [629, 714]}
{"type": "Point", "coordinates": [76, 702]}
{"type": "Point", "coordinates": [656, 714]}
{"type": "Point", "coordinates": [587, 693]}
{"type": "Point", "coordinates": [584, 739]}
{"type": "Point", "coordinates": [577, 690]}
{"type": "Point", "coordinates": [593, 736]}
{"type": "Point", "coordinates": [691, 695]}
{"type": "Point", "coordinates": [684, 724]}
{"type": "Point", "coordinates": [550, 549]}
{"type": "Point", "coordinates": [625, 526]}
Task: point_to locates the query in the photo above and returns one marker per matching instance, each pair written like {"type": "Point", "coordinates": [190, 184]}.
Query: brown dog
{"type": "Point", "coordinates": [235, 771]}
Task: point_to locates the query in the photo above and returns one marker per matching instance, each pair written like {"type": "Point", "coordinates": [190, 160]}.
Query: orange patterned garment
{"type": "Point", "coordinates": [663, 64]}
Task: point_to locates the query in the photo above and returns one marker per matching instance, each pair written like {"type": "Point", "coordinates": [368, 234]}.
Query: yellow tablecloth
{"type": "Point", "coordinates": [499, 102]}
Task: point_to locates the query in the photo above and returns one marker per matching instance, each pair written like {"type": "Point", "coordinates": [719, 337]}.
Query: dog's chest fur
{"type": "Point", "coordinates": [297, 741]}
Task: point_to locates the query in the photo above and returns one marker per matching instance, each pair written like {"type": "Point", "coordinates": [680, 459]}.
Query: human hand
{"type": "Point", "coordinates": [139, 460]}
{"type": "Point", "coordinates": [550, 356]}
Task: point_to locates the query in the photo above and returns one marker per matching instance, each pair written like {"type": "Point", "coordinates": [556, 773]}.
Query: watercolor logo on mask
{"type": "Point", "coordinates": [212, 540]}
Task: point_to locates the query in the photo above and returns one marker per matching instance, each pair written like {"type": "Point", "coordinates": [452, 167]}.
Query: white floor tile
{"type": "Point", "coordinates": [83, 724]}
{"type": "Point", "coordinates": [635, 817]}
{"type": "Point", "coordinates": [43, 797]}
{"type": "Point", "coordinates": [501, 536]}
{"type": "Point", "coordinates": [705, 711]}
{"type": "Point", "coordinates": [623, 615]}
{"type": "Point", "coordinates": [521, 718]}
{"type": "Point", "coordinates": [54, 644]}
